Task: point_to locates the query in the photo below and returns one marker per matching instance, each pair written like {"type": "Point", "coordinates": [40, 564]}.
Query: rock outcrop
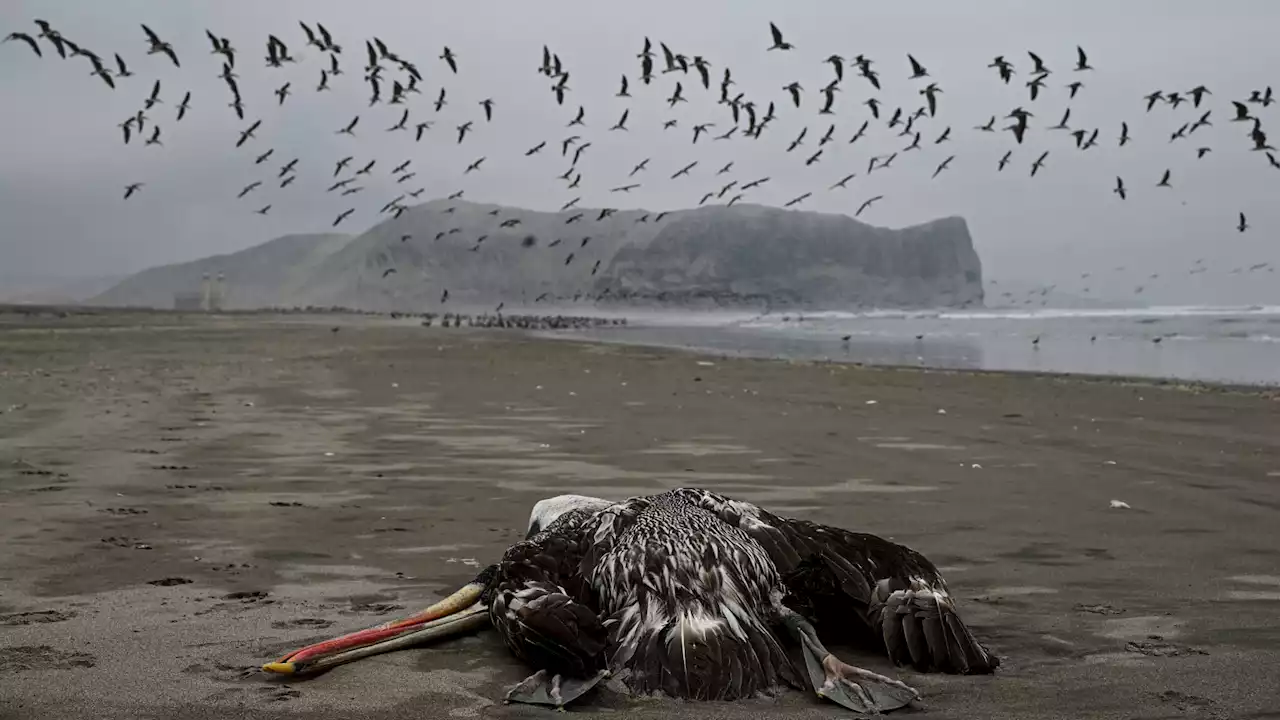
{"type": "Point", "coordinates": [766, 256]}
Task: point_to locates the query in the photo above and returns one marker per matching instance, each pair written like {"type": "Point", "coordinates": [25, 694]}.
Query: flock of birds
{"type": "Point", "coordinates": [394, 80]}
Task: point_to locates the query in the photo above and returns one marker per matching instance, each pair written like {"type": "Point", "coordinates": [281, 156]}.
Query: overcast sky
{"type": "Point", "coordinates": [63, 166]}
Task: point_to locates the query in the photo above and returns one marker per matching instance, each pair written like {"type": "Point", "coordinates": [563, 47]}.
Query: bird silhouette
{"type": "Point", "coordinates": [157, 46]}
{"type": "Point", "coordinates": [30, 41]}
{"type": "Point", "coordinates": [917, 70]}
{"type": "Point", "coordinates": [1039, 163]}
{"type": "Point", "coordinates": [450, 59]}
{"type": "Point", "coordinates": [868, 204]}
{"type": "Point", "coordinates": [943, 166]}
{"type": "Point", "coordinates": [1082, 60]}
{"type": "Point", "coordinates": [778, 42]}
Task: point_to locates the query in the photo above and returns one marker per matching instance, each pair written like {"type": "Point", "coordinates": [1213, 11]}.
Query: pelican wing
{"type": "Point", "coordinates": [540, 605]}
{"type": "Point", "coordinates": [833, 574]}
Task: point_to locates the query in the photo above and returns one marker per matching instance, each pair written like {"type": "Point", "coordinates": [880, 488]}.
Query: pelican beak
{"type": "Point", "coordinates": [460, 612]}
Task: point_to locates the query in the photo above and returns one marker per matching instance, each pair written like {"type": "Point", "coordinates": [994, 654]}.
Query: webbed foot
{"type": "Point", "coordinates": [543, 688]}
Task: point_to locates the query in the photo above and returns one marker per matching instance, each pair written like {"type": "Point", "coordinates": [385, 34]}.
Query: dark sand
{"type": "Point", "coordinates": [353, 476]}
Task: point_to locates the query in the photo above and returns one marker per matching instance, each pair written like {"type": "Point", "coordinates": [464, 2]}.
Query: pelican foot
{"type": "Point", "coordinates": [860, 690]}
{"type": "Point", "coordinates": [543, 688]}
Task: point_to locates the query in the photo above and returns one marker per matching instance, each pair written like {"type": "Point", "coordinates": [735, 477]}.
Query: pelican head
{"type": "Point", "coordinates": [546, 511]}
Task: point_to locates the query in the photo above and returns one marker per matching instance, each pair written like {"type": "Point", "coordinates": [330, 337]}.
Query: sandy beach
{"type": "Point", "coordinates": [185, 497]}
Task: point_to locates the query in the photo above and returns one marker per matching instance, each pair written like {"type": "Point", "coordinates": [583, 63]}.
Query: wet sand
{"type": "Point", "coordinates": [183, 498]}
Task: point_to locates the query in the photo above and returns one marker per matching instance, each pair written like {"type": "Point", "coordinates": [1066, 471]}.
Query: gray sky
{"type": "Point", "coordinates": [63, 166]}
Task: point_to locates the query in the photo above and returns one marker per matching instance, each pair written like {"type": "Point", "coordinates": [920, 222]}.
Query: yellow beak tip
{"type": "Point", "coordinates": [282, 668]}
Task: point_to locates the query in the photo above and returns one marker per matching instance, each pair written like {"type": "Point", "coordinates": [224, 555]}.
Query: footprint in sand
{"type": "Point", "coordinates": [1156, 646]}
{"type": "Point", "coordinates": [1099, 609]}
{"type": "Point", "coordinates": [1191, 704]}
{"type": "Point", "coordinates": [42, 657]}
{"type": "Point", "coordinates": [374, 608]}
{"type": "Point", "coordinates": [125, 542]}
{"type": "Point", "coordinates": [166, 582]}
{"type": "Point", "coordinates": [35, 617]}
{"type": "Point", "coordinates": [313, 623]}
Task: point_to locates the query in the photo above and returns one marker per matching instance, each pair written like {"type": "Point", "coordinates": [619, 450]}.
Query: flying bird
{"type": "Point", "coordinates": [1003, 67]}
{"type": "Point", "coordinates": [473, 166]}
{"type": "Point", "coordinates": [778, 42]}
{"type": "Point", "coordinates": [247, 133]}
{"type": "Point", "coordinates": [132, 188]}
{"type": "Point", "coordinates": [462, 130]}
{"type": "Point", "coordinates": [793, 88]}
{"type": "Point", "coordinates": [1039, 163]}
{"type": "Point", "coordinates": [450, 58]}
{"type": "Point", "coordinates": [403, 123]}
{"type": "Point", "coordinates": [684, 170]}
{"type": "Point", "coordinates": [159, 46]}
{"type": "Point", "coordinates": [154, 98]}
{"type": "Point", "coordinates": [1119, 189]}
{"type": "Point", "coordinates": [1242, 226]}
{"type": "Point", "coordinates": [343, 216]}
{"type": "Point", "coordinates": [487, 104]}
{"type": "Point", "coordinates": [842, 181]}
{"type": "Point", "coordinates": [943, 166]}
{"type": "Point", "coordinates": [30, 41]}
{"type": "Point", "coordinates": [917, 70]}
{"type": "Point", "coordinates": [1082, 60]}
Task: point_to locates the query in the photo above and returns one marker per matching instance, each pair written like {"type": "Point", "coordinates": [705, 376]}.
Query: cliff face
{"type": "Point", "coordinates": [743, 256]}
{"type": "Point", "coordinates": [464, 248]}
{"type": "Point", "coordinates": [776, 258]}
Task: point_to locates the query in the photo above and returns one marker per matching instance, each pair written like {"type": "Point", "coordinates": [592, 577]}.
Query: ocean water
{"type": "Point", "coordinates": [1238, 345]}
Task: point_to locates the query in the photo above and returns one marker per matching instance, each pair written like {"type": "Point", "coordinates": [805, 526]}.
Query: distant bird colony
{"type": "Point", "coordinates": [393, 80]}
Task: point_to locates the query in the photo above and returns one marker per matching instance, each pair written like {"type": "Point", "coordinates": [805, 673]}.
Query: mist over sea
{"type": "Point", "coordinates": [1239, 345]}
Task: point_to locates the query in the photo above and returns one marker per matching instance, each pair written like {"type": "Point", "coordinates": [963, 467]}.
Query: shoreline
{"type": "Point", "coordinates": [1261, 390]}
{"type": "Point", "coordinates": [582, 321]}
